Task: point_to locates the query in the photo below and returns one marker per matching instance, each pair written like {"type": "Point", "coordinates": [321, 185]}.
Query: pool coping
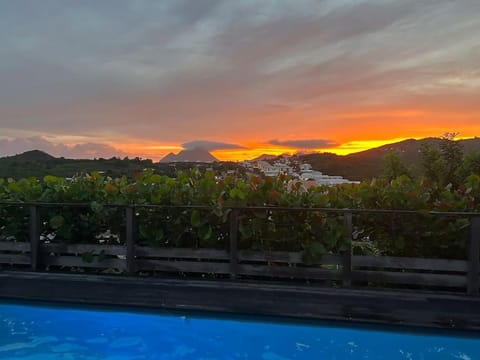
{"type": "Point", "coordinates": [433, 310]}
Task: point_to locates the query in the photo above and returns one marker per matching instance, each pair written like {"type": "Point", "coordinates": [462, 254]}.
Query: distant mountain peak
{"type": "Point", "coordinates": [33, 155]}
{"type": "Point", "coordinates": [197, 154]}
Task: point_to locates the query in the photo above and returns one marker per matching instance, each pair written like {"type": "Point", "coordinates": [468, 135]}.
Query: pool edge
{"type": "Point", "coordinates": [387, 307]}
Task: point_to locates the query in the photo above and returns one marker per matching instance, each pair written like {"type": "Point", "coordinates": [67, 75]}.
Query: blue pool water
{"type": "Point", "coordinates": [35, 332]}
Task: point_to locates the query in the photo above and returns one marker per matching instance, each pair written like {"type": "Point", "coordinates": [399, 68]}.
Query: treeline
{"type": "Point", "coordinates": [443, 163]}
{"type": "Point", "coordinates": [39, 164]}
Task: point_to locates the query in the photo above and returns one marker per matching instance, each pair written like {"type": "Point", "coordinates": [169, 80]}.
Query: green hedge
{"type": "Point", "coordinates": [420, 234]}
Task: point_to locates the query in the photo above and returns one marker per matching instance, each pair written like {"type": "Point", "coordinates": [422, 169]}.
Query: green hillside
{"type": "Point", "coordinates": [36, 163]}
{"type": "Point", "coordinates": [368, 164]}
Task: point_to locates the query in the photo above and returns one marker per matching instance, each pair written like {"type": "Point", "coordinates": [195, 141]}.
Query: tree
{"type": "Point", "coordinates": [470, 164]}
{"type": "Point", "coordinates": [393, 166]}
{"type": "Point", "coordinates": [443, 164]}
{"type": "Point", "coordinates": [452, 156]}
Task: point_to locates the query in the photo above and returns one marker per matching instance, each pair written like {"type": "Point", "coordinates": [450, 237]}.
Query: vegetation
{"type": "Point", "coordinates": [370, 164]}
{"type": "Point", "coordinates": [316, 232]}
{"type": "Point", "coordinates": [393, 166]}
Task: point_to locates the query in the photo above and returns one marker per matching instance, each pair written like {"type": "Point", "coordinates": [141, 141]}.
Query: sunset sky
{"type": "Point", "coordinates": [98, 78]}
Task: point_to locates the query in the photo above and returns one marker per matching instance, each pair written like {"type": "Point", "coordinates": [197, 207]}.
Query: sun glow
{"type": "Point", "coordinates": [262, 149]}
{"type": "Point", "coordinates": [251, 151]}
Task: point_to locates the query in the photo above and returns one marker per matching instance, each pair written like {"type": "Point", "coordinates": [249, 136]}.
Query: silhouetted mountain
{"type": "Point", "coordinates": [190, 155]}
{"type": "Point", "coordinates": [32, 155]}
{"type": "Point", "coordinates": [170, 157]}
{"type": "Point", "coordinates": [471, 144]}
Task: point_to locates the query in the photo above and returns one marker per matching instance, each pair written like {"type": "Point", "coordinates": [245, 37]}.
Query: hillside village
{"type": "Point", "coordinates": [292, 166]}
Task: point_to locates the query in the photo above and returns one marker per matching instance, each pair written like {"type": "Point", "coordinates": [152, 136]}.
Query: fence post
{"type": "Point", "coordinates": [473, 256]}
{"type": "Point", "coordinates": [130, 239]}
{"type": "Point", "coordinates": [34, 225]}
{"type": "Point", "coordinates": [233, 235]}
{"type": "Point", "coordinates": [347, 255]}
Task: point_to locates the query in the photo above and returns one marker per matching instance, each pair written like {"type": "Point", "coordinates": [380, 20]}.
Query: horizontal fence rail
{"type": "Point", "coordinates": [344, 269]}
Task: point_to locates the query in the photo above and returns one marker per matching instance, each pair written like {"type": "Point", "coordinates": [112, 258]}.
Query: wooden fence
{"type": "Point", "coordinates": [341, 269]}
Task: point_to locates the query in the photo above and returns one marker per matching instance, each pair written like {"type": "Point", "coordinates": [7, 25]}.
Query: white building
{"type": "Point", "coordinates": [305, 167]}
{"type": "Point", "coordinates": [322, 179]}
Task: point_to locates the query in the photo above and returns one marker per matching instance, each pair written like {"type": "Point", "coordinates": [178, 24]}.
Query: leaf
{"type": "Point", "coordinates": [313, 253]}
{"type": "Point", "coordinates": [50, 179]}
{"type": "Point", "coordinates": [13, 187]}
{"type": "Point", "coordinates": [159, 235]}
{"type": "Point", "coordinates": [195, 218]}
{"type": "Point", "coordinates": [96, 207]}
{"type": "Point", "coordinates": [236, 193]}
{"type": "Point", "coordinates": [245, 230]}
{"type": "Point", "coordinates": [209, 175]}
{"type": "Point", "coordinates": [260, 214]}
{"type": "Point", "coordinates": [155, 179]}
{"type": "Point", "coordinates": [57, 222]}
{"type": "Point", "coordinates": [143, 230]}
{"type": "Point", "coordinates": [110, 188]}
{"type": "Point", "coordinates": [205, 232]}
{"type": "Point", "coordinates": [226, 215]}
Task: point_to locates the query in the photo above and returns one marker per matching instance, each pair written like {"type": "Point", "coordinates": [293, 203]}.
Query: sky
{"type": "Point", "coordinates": [102, 78]}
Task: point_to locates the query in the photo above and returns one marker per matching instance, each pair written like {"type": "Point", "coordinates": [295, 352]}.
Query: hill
{"type": "Point", "coordinates": [190, 155]}
{"type": "Point", "coordinates": [368, 164]}
{"type": "Point", "coordinates": [38, 164]}
{"type": "Point", "coordinates": [32, 155]}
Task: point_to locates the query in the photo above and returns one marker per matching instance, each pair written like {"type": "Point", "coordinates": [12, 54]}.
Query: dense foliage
{"type": "Point", "coordinates": [316, 232]}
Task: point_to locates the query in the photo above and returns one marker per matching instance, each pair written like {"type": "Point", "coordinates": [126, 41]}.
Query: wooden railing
{"type": "Point", "coordinates": [342, 269]}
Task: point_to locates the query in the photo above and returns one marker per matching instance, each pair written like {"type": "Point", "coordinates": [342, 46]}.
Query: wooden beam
{"type": "Point", "coordinates": [285, 257]}
{"type": "Point", "coordinates": [14, 246]}
{"type": "Point", "coordinates": [83, 248]}
{"type": "Point", "coordinates": [393, 262]}
{"type": "Point", "coordinates": [15, 259]}
{"type": "Point", "coordinates": [181, 253]}
{"type": "Point", "coordinates": [409, 278]}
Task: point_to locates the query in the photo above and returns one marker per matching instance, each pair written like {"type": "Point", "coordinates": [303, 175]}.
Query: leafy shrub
{"type": "Point", "coordinates": [316, 232]}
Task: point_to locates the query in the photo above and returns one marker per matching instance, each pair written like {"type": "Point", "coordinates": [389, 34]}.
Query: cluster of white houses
{"type": "Point", "coordinates": [302, 171]}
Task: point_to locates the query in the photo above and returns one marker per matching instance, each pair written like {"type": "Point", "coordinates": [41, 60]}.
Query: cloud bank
{"type": "Point", "coordinates": [170, 71]}
{"type": "Point", "coordinates": [210, 145]}
{"type": "Point", "coordinates": [305, 144]}
{"type": "Point", "coordinates": [15, 146]}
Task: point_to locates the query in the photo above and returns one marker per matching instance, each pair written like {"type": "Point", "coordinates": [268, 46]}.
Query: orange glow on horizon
{"type": "Point", "coordinates": [262, 149]}
{"type": "Point", "coordinates": [157, 152]}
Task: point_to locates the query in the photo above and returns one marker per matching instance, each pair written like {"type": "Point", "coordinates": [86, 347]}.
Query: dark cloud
{"type": "Point", "coordinates": [78, 151]}
{"type": "Point", "coordinates": [210, 145]}
{"type": "Point", "coordinates": [305, 144]}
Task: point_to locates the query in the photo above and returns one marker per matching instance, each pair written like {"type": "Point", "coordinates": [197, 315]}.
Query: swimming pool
{"type": "Point", "coordinates": [40, 332]}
